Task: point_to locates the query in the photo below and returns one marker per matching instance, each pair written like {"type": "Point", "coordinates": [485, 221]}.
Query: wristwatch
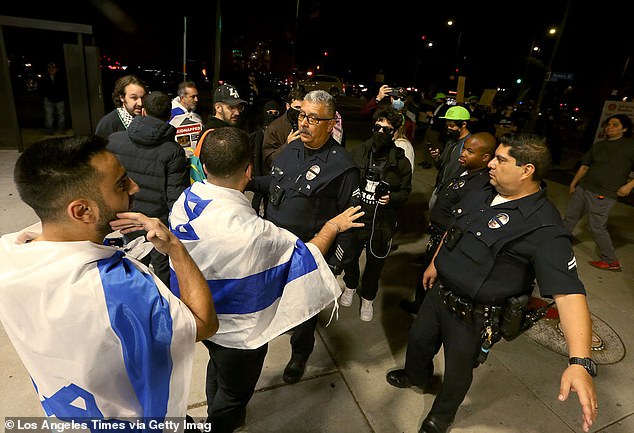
{"type": "Point", "coordinates": [586, 363]}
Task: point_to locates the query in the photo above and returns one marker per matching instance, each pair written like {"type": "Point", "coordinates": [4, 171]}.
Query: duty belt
{"type": "Point", "coordinates": [465, 309]}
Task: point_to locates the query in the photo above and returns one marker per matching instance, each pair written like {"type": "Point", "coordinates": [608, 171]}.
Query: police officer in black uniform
{"type": "Point", "coordinates": [312, 180]}
{"type": "Point", "coordinates": [503, 239]}
{"type": "Point", "coordinates": [473, 175]}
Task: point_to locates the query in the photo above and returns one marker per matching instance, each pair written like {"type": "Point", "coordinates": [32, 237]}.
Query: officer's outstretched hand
{"type": "Point", "coordinates": [346, 219]}
{"type": "Point", "coordinates": [157, 233]}
{"type": "Point", "coordinates": [430, 276]}
{"type": "Point", "coordinates": [576, 379]}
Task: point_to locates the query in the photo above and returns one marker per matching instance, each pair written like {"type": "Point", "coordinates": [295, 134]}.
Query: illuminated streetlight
{"type": "Point", "coordinates": [540, 97]}
{"type": "Point", "coordinates": [451, 23]}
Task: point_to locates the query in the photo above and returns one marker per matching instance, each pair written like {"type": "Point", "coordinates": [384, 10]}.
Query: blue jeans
{"type": "Point", "coordinates": [51, 109]}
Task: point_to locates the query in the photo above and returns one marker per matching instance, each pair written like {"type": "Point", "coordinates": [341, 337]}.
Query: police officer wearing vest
{"type": "Point", "coordinates": [312, 180]}
{"type": "Point", "coordinates": [473, 175]}
{"type": "Point", "coordinates": [502, 240]}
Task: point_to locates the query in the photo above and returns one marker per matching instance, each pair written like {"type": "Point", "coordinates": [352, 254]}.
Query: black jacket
{"type": "Point", "coordinates": [311, 188]}
{"type": "Point", "coordinates": [154, 161]}
{"type": "Point", "coordinates": [213, 123]}
{"type": "Point", "coordinates": [397, 172]}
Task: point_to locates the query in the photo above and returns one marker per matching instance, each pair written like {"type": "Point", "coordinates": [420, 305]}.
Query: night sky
{"type": "Point", "coordinates": [360, 38]}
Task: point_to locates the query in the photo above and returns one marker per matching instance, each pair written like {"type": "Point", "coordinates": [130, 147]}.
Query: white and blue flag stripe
{"type": "Point", "coordinates": [263, 279]}
{"type": "Point", "coordinates": [104, 339]}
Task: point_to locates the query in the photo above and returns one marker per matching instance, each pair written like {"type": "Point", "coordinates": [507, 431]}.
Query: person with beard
{"type": "Point", "coordinates": [228, 108]}
{"type": "Point", "coordinates": [271, 112]}
{"type": "Point", "coordinates": [150, 154]}
{"type": "Point", "coordinates": [89, 321]}
{"type": "Point", "coordinates": [312, 180]}
{"type": "Point", "coordinates": [386, 182]}
{"type": "Point", "coordinates": [283, 130]}
{"type": "Point", "coordinates": [127, 97]}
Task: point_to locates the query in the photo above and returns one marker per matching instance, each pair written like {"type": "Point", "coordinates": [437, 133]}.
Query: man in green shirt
{"type": "Point", "coordinates": [601, 179]}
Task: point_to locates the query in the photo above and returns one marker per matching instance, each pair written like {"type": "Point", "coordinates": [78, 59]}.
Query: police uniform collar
{"type": "Point", "coordinates": [479, 172]}
{"type": "Point", "coordinates": [322, 153]}
{"type": "Point", "coordinates": [527, 205]}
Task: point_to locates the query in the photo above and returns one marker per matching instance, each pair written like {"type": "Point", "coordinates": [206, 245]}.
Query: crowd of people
{"type": "Point", "coordinates": [148, 244]}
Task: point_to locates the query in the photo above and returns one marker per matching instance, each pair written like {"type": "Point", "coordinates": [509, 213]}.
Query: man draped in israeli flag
{"type": "Point", "coordinates": [102, 338]}
{"type": "Point", "coordinates": [264, 280]}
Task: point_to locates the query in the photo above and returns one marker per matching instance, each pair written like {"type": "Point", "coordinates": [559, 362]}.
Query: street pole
{"type": "Point", "coordinates": [294, 41]}
{"type": "Point", "coordinates": [184, 48]}
{"type": "Point", "coordinates": [540, 97]}
{"type": "Point", "coordinates": [217, 45]}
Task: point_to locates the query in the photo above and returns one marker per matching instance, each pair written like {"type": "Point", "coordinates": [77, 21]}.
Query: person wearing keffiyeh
{"type": "Point", "coordinates": [128, 101]}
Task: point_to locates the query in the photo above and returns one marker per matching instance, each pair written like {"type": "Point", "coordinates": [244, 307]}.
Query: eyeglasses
{"type": "Point", "coordinates": [312, 120]}
{"type": "Point", "coordinates": [402, 98]}
{"type": "Point", "coordinates": [273, 112]}
{"type": "Point", "coordinates": [384, 129]}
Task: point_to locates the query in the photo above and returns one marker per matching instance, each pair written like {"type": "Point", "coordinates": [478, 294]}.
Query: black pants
{"type": "Point", "coordinates": [373, 265]}
{"type": "Point", "coordinates": [435, 325]}
{"type": "Point", "coordinates": [231, 378]}
{"type": "Point", "coordinates": [303, 338]}
{"type": "Point", "coordinates": [420, 291]}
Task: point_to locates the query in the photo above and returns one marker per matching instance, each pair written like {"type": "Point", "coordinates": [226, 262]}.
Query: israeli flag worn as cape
{"type": "Point", "coordinates": [101, 337]}
{"type": "Point", "coordinates": [263, 279]}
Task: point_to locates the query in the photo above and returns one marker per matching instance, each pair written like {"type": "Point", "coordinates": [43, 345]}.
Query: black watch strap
{"type": "Point", "coordinates": [587, 363]}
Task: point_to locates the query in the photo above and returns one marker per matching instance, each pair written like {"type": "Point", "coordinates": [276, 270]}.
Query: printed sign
{"type": "Point", "coordinates": [610, 108]}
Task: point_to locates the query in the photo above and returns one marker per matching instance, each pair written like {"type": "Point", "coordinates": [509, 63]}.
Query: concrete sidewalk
{"type": "Point", "coordinates": [344, 388]}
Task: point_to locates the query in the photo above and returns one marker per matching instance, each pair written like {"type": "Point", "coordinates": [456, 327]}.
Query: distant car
{"type": "Point", "coordinates": [357, 90]}
{"type": "Point", "coordinates": [329, 83]}
{"type": "Point", "coordinates": [164, 80]}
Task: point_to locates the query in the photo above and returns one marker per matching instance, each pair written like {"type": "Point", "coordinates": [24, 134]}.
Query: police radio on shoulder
{"type": "Point", "coordinates": [586, 363]}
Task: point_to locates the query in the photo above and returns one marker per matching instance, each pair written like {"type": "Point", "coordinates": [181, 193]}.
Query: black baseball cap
{"type": "Point", "coordinates": [228, 94]}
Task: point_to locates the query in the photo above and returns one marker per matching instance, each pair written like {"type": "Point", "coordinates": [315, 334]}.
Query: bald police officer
{"type": "Point", "coordinates": [473, 175]}
{"type": "Point", "coordinates": [312, 180]}
{"type": "Point", "coordinates": [503, 238]}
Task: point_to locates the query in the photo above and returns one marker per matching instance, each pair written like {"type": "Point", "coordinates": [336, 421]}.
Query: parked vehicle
{"type": "Point", "coordinates": [329, 83]}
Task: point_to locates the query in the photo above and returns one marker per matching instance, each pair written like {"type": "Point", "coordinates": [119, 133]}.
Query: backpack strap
{"type": "Point", "coordinates": [199, 144]}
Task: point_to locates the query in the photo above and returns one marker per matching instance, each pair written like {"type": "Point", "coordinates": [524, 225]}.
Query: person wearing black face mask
{"type": "Point", "coordinates": [386, 182]}
{"type": "Point", "coordinates": [271, 112]}
{"type": "Point", "coordinates": [282, 130]}
{"type": "Point", "coordinates": [456, 124]}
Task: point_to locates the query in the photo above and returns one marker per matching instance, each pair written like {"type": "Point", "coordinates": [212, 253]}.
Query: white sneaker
{"type": "Point", "coordinates": [346, 297]}
{"type": "Point", "coordinates": [367, 312]}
